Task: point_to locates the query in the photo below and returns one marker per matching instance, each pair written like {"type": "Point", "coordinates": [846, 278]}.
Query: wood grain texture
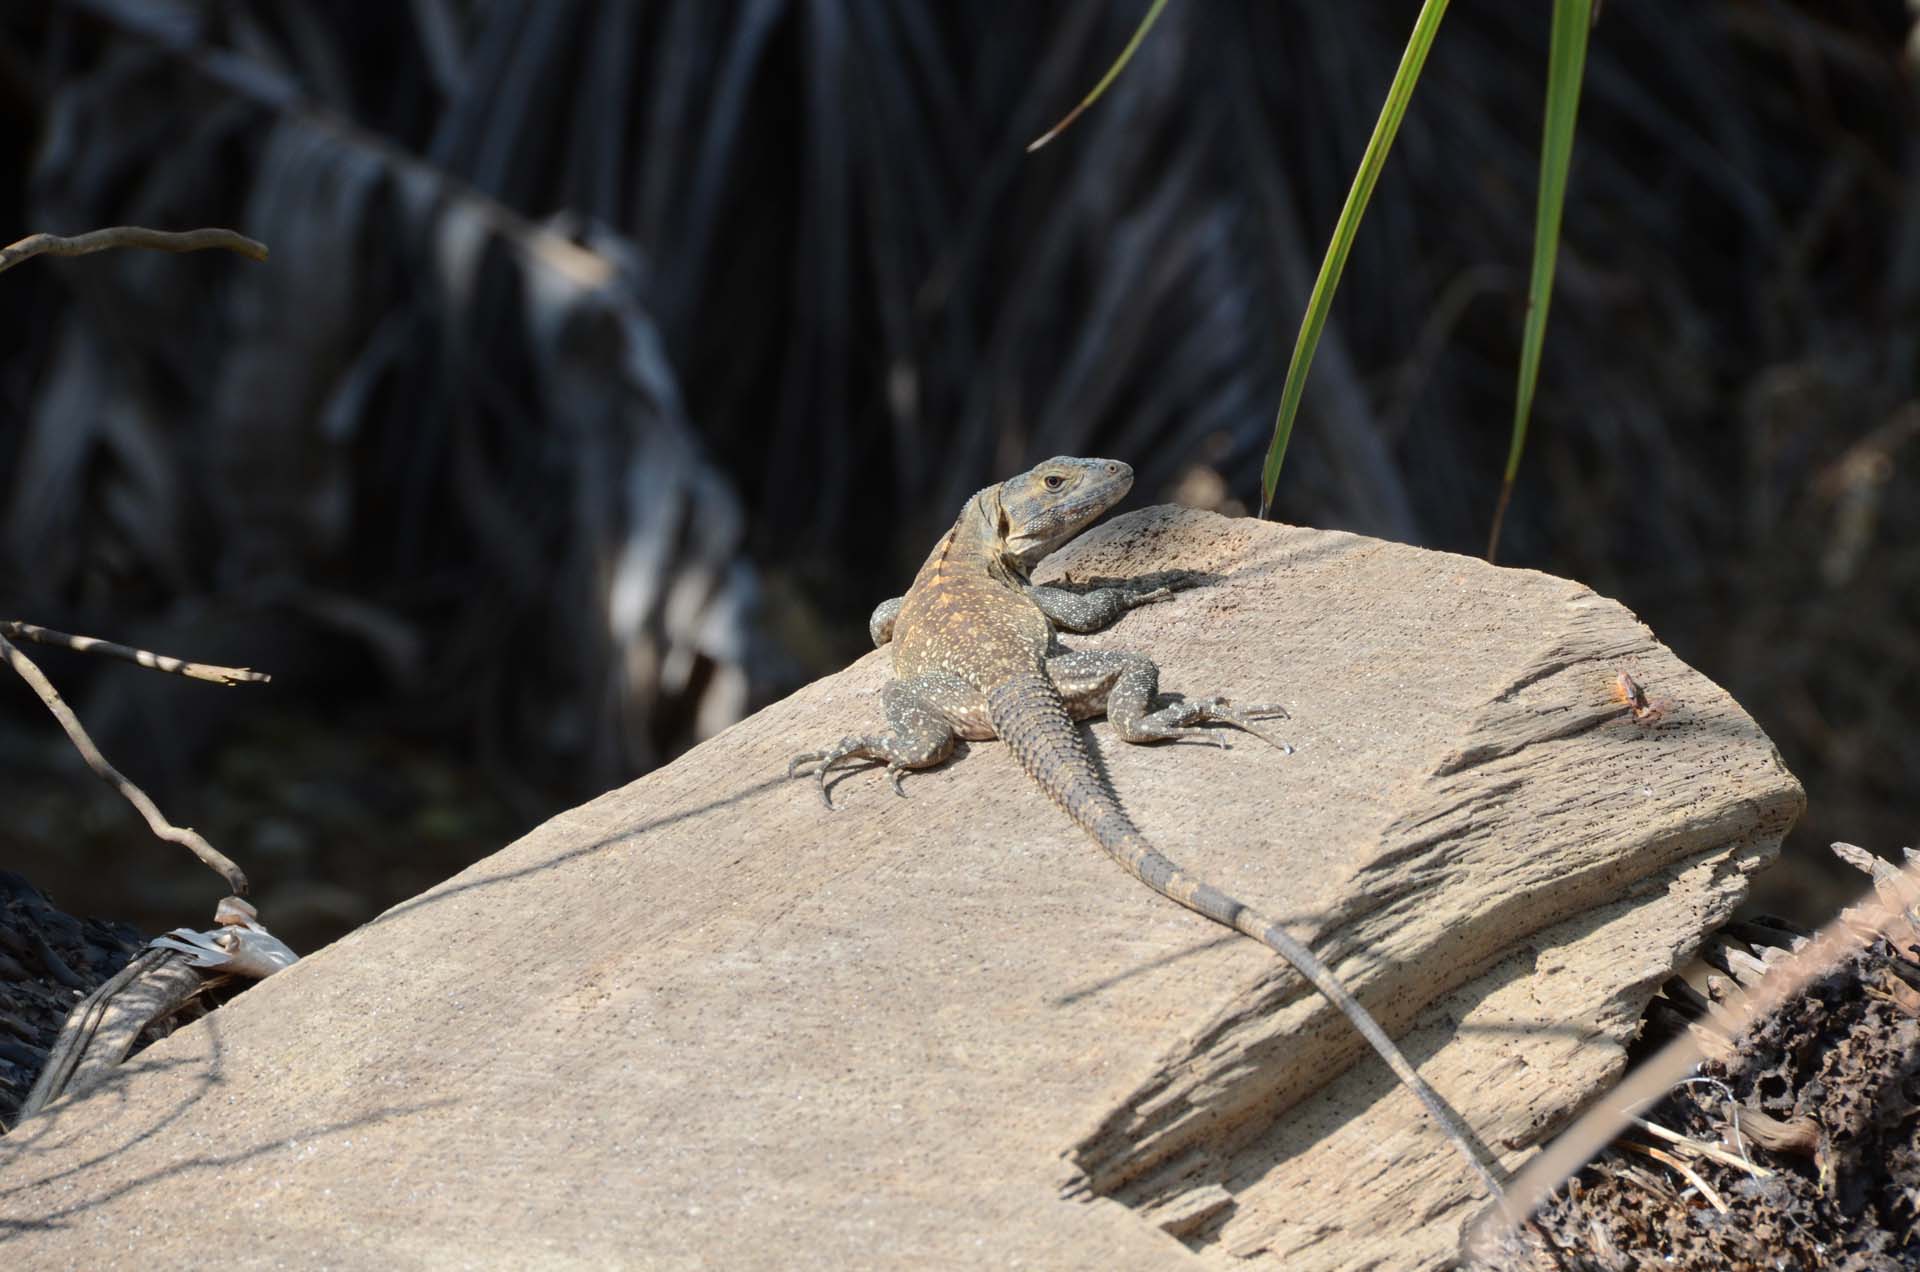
{"type": "Point", "coordinates": [703, 1021]}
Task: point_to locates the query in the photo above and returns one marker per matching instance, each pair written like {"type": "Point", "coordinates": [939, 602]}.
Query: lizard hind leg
{"type": "Point", "coordinates": [1125, 685]}
{"type": "Point", "coordinates": [919, 737]}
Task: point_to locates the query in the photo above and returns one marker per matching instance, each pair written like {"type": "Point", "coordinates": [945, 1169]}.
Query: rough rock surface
{"type": "Point", "coordinates": [701, 1020]}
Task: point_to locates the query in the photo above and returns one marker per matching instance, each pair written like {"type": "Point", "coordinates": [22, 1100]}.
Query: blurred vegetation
{"type": "Point", "coordinates": [615, 358]}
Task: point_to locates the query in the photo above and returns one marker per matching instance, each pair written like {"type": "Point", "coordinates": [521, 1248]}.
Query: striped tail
{"type": "Point", "coordinates": [1029, 715]}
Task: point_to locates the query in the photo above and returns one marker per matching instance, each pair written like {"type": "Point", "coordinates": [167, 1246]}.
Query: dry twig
{"type": "Point", "coordinates": [1720, 1155]}
{"type": "Point", "coordinates": [81, 245]}
{"type": "Point", "coordinates": [161, 827]}
{"type": "Point", "coordinates": [128, 236]}
{"type": "Point", "coordinates": [1693, 1176]}
{"type": "Point", "coordinates": [16, 630]}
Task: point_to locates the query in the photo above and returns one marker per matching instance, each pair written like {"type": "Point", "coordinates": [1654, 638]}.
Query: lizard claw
{"type": "Point", "coordinates": [1222, 711]}
{"type": "Point", "coordinates": [825, 759]}
{"type": "Point", "coordinates": [848, 746]}
{"type": "Point", "coordinates": [1242, 718]}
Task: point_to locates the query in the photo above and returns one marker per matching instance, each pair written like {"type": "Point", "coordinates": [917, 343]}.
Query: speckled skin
{"type": "Point", "coordinates": [975, 656]}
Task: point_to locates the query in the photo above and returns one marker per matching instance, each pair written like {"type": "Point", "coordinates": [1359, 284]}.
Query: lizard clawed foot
{"type": "Point", "coordinates": [826, 760]}
{"type": "Point", "coordinates": [1221, 711]}
{"type": "Point", "coordinates": [1177, 581]}
{"type": "Point", "coordinates": [858, 748]}
{"type": "Point", "coordinates": [1181, 720]}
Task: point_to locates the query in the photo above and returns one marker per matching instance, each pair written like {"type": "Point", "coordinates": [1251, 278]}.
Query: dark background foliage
{"type": "Point", "coordinates": [614, 358]}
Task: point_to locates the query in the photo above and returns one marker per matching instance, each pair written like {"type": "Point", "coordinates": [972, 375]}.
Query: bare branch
{"type": "Point", "coordinates": [16, 630]}
{"type": "Point", "coordinates": [128, 236]}
{"type": "Point", "coordinates": [81, 245]}
{"type": "Point", "coordinates": [161, 827]}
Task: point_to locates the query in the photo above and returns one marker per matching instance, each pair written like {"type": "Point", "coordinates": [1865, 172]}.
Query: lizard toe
{"type": "Point", "coordinates": [1285, 748]}
{"type": "Point", "coordinates": [1244, 718]}
{"type": "Point", "coordinates": [1181, 733]}
{"type": "Point", "coordinates": [1248, 726]}
{"type": "Point", "coordinates": [1268, 738]}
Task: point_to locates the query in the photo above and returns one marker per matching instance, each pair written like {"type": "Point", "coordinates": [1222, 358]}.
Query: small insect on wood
{"type": "Point", "coordinates": [1647, 712]}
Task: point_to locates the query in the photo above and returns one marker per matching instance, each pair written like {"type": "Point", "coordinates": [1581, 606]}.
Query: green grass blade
{"type": "Point", "coordinates": [1384, 129]}
{"type": "Point", "coordinates": [1572, 20]}
{"type": "Point", "coordinates": [1113, 73]}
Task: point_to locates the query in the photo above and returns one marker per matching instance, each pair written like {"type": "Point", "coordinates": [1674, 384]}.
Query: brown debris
{"type": "Point", "coordinates": [1812, 1114]}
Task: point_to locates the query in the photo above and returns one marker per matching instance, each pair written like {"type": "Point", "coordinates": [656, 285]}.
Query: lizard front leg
{"type": "Point", "coordinates": [1066, 608]}
{"type": "Point", "coordinates": [880, 626]}
{"type": "Point", "coordinates": [1070, 610]}
{"type": "Point", "coordinates": [1089, 610]}
{"type": "Point", "coordinates": [918, 736]}
{"type": "Point", "coordinates": [1124, 686]}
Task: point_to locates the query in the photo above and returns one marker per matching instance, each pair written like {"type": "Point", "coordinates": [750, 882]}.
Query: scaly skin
{"type": "Point", "coordinates": [975, 656]}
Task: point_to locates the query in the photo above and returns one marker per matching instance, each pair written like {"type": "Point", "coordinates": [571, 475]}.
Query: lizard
{"type": "Point", "coordinates": [976, 656]}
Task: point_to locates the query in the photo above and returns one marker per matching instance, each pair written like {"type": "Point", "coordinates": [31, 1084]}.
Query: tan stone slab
{"type": "Point", "coordinates": [703, 1022]}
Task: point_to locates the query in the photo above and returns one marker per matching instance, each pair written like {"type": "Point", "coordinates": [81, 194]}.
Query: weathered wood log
{"type": "Point", "coordinates": [702, 1020]}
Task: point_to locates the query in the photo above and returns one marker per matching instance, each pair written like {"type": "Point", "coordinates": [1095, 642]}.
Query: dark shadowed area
{"type": "Point", "coordinates": [613, 359]}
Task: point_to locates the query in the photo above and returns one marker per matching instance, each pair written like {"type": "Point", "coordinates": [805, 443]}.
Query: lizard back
{"type": "Point", "coordinates": [966, 615]}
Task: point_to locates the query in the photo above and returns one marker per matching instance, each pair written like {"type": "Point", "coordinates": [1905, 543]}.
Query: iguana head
{"type": "Point", "coordinates": [1042, 508]}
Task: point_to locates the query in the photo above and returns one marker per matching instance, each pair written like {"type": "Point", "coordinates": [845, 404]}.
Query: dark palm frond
{"type": "Point", "coordinates": [428, 403]}
{"type": "Point", "coordinates": [866, 300]}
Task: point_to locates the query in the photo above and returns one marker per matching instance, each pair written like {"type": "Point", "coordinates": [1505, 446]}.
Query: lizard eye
{"type": "Point", "coordinates": [1054, 481]}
